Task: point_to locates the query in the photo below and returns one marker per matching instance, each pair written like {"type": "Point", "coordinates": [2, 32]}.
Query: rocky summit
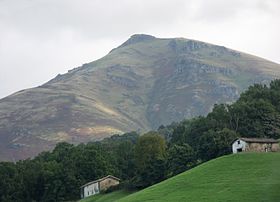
{"type": "Point", "coordinates": [140, 85]}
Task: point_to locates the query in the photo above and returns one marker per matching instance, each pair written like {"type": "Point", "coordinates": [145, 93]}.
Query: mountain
{"type": "Point", "coordinates": [242, 177]}
{"type": "Point", "coordinates": [140, 85]}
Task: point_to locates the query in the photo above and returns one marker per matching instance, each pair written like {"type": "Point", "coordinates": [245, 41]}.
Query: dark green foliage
{"type": "Point", "coordinates": [255, 114]}
{"type": "Point", "coordinates": [54, 176]}
{"type": "Point", "coordinates": [152, 173]}
{"type": "Point", "coordinates": [8, 173]}
{"type": "Point", "coordinates": [215, 143]}
{"type": "Point", "coordinates": [126, 160]}
{"type": "Point", "coordinates": [258, 111]}
{"type": "Point", "coordinates": [149, 146]}
{"type": "Point", "coordinates": [180, 158]}
{"type": "Point", "coordinates": [150, 156]}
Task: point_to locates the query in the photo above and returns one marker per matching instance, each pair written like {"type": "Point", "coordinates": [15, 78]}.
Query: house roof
{"type": "Point", "coordinates": [101, 179]}
{"type": "Point", "coordinates": [258, 140]}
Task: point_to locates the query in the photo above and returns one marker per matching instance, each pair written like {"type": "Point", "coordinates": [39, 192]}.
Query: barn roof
{"type": "Point", "coordinates": [258, 140]}
{"type": "Point", "coordinates": [101, 179]}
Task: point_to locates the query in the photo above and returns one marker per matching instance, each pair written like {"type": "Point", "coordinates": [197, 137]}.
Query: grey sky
{"type": "Point", "coordinates": [41, 38]}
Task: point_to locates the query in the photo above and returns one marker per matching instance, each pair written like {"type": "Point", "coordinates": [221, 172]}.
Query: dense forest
{"type": "Point", "coordinates": [143, 160]}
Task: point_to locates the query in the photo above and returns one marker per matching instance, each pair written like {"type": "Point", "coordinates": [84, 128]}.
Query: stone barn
{"type": "Point", "coordinates": [95, 187]}
{"type": "Point", "coordinates": [255, 145]}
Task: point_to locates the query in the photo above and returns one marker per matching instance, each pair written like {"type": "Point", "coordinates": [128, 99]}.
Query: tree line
{"type": "Point", "coordinates": [143, 160]}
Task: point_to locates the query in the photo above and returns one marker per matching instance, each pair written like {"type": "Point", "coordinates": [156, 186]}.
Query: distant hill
{"type": "Point", "coordinates": [140, 85]}
{"type": "Point", "coordinates": [244, 177]}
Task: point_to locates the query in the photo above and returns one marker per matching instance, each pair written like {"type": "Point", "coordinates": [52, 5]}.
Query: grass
{"type": "Point", "coordinates": [243, 177]}
{"type": "Point", "coordinates": [110, 197]}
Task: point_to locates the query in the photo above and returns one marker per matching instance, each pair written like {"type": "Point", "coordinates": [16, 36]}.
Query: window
{"type": "Point", "coordinates": [96, 189]}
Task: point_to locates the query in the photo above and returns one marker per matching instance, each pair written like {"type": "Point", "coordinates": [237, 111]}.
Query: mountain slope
{"type": "Point", "coordinates": [244, 177]}
{"type": "Point", "coordinates": [140, 85]}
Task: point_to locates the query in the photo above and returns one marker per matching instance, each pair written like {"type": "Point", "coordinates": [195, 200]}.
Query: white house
{"type": "Point", "coordinates": [95, 187]}
{"type": "Point", "coordinates": [255, 145]}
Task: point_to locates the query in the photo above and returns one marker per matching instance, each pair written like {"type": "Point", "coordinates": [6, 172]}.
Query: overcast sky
{"type": "Point", "coordinates": [42, 38]}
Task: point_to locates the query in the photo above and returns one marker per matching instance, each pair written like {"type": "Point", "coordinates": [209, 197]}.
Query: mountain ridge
{"type": "Point", "coordinates": [140, 85]}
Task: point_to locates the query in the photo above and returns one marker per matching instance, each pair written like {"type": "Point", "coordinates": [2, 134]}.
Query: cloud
{"type": "Point", "coordinates": [88, 17]}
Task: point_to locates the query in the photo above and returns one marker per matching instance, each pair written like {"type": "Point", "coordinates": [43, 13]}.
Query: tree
{"type": "Point", "coordinates": [180, 158]}
{"type": "Point", "coordinates": [8, 173]}
{"type": "Point", "coordinates": [215, 143]}
{"type": "Point", "coordinates": [150, 156]}
{"type": "Point", "coordinates": [219, 116]}
{"type": "Point", "coordinates": [125, 155]}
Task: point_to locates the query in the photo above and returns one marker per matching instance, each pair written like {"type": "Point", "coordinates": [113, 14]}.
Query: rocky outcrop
{"type": "Point", "coordinates": [185, 47]}
{"type": "Point", "coordinates": [128, 78]}
{"type": "Point", "coordinates": [137, 38]}
{"type": "Point", "coordinates": [127, 82]}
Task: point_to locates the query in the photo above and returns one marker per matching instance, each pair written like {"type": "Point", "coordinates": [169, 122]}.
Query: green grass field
{"type": "Point", "coordinates": [243, 177]}
{"type": "Point", "coordinates": [110, 197]}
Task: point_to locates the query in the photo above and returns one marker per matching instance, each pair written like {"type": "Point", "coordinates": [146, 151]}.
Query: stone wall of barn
{"type": "Point", "coordinates": [108, 182]}
{"type": "Point", "coordinates": [275, 147]}
{"type": "Point", "coordinates": [262, 147]}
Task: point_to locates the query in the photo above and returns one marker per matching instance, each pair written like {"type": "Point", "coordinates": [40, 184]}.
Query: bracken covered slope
{"type": "Point", "coordinates": [140, 85]}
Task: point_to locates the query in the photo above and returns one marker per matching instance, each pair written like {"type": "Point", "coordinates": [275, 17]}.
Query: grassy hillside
{"type": "Point", "coordinates": [244, 177]}
{"type": "Point", "coordinates": [110, 197]}
{"type": "Point", "coordinates": [144, 83]}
